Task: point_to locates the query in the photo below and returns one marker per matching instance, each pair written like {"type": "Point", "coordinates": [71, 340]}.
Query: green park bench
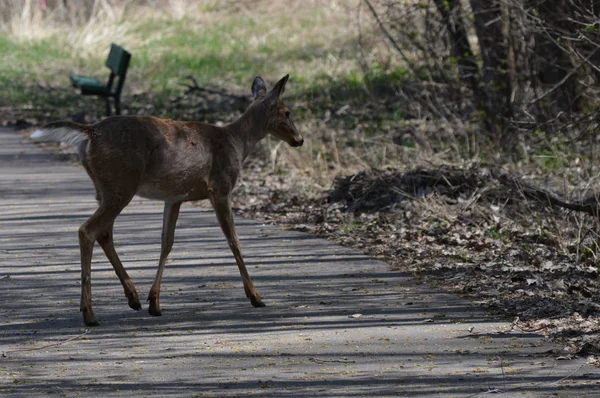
{"type": "Point", "coordinates": [118, 62]}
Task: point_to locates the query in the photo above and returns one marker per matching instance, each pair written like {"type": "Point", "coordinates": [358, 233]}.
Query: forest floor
{"type": "Point", "coordinates": [460, 230]}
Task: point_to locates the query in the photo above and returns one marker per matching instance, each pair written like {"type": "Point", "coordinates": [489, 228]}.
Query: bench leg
{"type": "Point", "coordinates": [108, 107]}
{"type": "Point", "coordinates": [117, 105]}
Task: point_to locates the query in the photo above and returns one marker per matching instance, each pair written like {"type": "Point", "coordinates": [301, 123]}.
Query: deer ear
{"type": "Point", "coordinates": [259, 87]}
{"type": "Point", "coordinates": [279, 88]}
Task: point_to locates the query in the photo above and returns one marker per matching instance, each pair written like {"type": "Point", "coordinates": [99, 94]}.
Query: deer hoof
{"type": "Point", "coordinates": [258, 303]}
{"type": "Point", "coordinates": [134, 303]}
{"type": "Point", "coordinates": [91, 323]}
{"type": "Point", "coordinates": [154, 311]}
{"type": "Point", "coordinates": [88, 317]}
{"type": "Point", "coordinates": [132, 297]}
{"type": "Point", "coordinates": [154, 308]}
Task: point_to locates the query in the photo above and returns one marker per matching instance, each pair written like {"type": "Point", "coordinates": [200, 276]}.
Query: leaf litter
{"type": "Point", "coordinates": [463, 230]}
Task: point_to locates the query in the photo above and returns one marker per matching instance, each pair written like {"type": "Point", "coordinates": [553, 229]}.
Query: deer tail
{"type": "Point", "coordinates": [70, 133]}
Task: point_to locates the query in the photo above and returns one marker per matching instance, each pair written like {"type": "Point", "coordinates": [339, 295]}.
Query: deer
{"type": "Point", "coordinates": [171, 161]}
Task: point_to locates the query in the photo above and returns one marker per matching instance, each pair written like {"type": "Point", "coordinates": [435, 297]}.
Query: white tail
{"type": "Point", "coordinates": [67, 132]}
{"type": "Point", "coordinates": [170, 161]}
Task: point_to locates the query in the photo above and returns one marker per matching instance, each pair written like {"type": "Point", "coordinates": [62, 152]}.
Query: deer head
{"type": "Point", "coordinates": [279, 122]}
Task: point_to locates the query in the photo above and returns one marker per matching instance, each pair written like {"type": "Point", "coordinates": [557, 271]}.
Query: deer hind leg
{"type": "Point", "coordinates": [222, 206]}
{"type": "Point", "coordinates": [106, 242]}
{"type": "Point", "coordinates": [170, 215]}
{"type": "Point", "coordinates": [91, 230]}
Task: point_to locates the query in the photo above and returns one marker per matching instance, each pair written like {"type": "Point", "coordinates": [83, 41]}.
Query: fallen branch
{"type": "Point", "coordinates": [47, 345]}
{"type": "Point", "coordinates": [196, 87]}
{"type": "Point", "coordinates": [588, 205]}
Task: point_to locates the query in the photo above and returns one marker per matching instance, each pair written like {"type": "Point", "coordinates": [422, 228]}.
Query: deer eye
{"type": "Point", "coordinates": [287, 114]}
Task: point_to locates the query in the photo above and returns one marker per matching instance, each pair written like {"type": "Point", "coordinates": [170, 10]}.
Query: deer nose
{"type": "Point", "coordinates": [299, 142]}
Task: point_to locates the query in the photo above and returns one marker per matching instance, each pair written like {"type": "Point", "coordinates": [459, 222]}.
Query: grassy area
{"type": "Point", "coordinates": [224, 44]}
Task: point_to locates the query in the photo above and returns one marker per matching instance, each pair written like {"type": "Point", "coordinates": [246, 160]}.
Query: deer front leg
{"type": "Point", "coordinates": [170, 215]}
{"type": "Point", "coordinates": [222, 206]}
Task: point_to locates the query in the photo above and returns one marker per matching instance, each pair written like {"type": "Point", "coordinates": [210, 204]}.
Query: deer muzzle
{"type": "Point", "coordinates": [298, 142]}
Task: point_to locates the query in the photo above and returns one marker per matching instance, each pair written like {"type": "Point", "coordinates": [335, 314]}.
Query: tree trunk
{"type": "Point", "coordinates": [553, 61]}
{"type": "Point", "coordinates": [494, 53]}
{"type": "Point", "coordinates": [468, 70]}
{"type": "Point", "coordinates": [461, 48]}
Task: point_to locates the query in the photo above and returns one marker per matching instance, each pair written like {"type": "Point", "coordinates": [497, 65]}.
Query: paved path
{"type": "Point", "coordinates": [409, 340]}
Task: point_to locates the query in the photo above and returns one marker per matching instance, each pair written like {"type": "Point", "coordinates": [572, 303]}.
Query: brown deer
{"type": "Point", "coordinates": [172, 161]}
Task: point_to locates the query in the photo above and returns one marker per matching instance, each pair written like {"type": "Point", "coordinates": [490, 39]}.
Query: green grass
{"type": "Point", "coordinates": [26, 61]}
{"type": "Point", "coordinates": [218, 47]}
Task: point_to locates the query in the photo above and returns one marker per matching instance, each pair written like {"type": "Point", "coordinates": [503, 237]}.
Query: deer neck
{"type": "Point", "coordinates": [250, 128]}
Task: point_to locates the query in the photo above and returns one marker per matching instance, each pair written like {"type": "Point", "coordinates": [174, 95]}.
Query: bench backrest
{"type": "Point", "coordinates": [118, 60]}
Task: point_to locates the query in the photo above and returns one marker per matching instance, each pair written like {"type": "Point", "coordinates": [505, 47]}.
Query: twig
{"type": "Point", "coordinates": [390, 38]}
{"type": "Point", "coordinates": [196, 87]}
{"type": "Point", "coordinates": [569, 375]}
{"type": "Point", "coordinates": [500, 390]}
{"type": "Point", "coordinates": [562, 81]}
{"type": "Point", "coordinates": [47, 345]}
{"type": "Point", "coordinates": [320, 361]}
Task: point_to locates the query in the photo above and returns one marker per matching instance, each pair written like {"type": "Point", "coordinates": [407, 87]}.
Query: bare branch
{"type": "Point", "coordinates": [196, 87]}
